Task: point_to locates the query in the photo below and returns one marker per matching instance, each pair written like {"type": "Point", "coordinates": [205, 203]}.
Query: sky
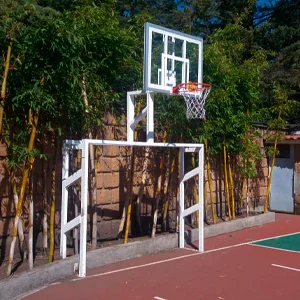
{"type": "Point", "coordinates": [261, 2]}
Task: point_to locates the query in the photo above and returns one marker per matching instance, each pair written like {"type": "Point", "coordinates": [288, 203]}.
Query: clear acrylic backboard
{"type": "Point", "coordinates": [170, 57]}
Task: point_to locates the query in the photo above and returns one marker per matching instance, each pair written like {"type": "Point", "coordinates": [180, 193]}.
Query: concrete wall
{"type": "Point", "coordinates": [297, 179]}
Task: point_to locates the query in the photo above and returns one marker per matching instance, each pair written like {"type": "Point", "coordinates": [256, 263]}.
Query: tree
{"type": "Point", "coordinates": [54, 51]}
{"type": "Point", "coordinates": [279, 32]}
{"type": "Point", "coordinates": [234, 69]}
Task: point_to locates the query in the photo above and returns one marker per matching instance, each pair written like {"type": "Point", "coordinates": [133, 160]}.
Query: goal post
{"type": "Point", "coordinates": [81, 176]}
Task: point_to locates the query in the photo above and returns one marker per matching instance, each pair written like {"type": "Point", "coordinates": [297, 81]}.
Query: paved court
{"type": "Point", "coordinates": [261, 262]}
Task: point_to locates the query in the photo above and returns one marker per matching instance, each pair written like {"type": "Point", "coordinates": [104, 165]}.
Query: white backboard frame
{"type": "Point", "coordinates": [167, 78]}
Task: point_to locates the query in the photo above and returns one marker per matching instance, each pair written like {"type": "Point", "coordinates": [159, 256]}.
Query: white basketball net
{"type": "Point", "coordinates": [195, 101]}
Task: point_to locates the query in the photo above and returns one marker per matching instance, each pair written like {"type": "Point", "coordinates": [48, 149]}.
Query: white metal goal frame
{"type": "Point", "coordinates": [82, 175]}
{"type": "Point", "coordinates": [172, 52]}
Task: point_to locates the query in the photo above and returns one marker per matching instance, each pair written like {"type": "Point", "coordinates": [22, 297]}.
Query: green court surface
{"type": "Point", "coordinates": [288, 242]}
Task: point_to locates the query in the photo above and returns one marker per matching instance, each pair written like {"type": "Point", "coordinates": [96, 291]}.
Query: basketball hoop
{"type": "Point", "coordinates": [194, 94]}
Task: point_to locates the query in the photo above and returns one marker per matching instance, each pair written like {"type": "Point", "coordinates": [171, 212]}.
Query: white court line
{"type": "Point", "coordinates": [171, 259]}
{"type": "Point", "coordinates": [276, 237]}
{"type": "Point", "coordinates": [179, 257]}
{"type": "Point", "coordinates": [166, 260]}
{"type": "Point", "coordinates": [274, 248]}
{"type": "Point", "coordinates": [159, 298]}
{"type": "Point", "coordinates": [285, 267]}
{"type": "Point", "coordinates": [137, 267]}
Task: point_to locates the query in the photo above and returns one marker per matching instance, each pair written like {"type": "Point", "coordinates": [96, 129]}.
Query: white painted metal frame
{"type": "Point", "coordinates": [81, 220]}
{"type": "Point", "coordinates": [163, 84]}
{"type": "Point", "coordinates": [147, 112]}
{"type": "Point", "coordinates": [132, 121]}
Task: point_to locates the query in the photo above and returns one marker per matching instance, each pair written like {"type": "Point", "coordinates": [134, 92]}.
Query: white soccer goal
{"type": "Point", "coordinates": [82, 176]}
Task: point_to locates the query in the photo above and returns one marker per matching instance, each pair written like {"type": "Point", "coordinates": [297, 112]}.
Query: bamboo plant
{"type": "Point", "coordinates": [126, 216]}
{"type": "Point", "coordinates": [282, 106]}
{"type": "Point", "coordinates": [158, 191]}
{"type": "Point", "coordinates": [141, 189]}
{"type": "Point", "coordinates": [4, 81]}
{"type": "Point", "coordinates": [52, 206]}
{"type": "Point", "coordinates": [30, 221]}
{"type": "Point", "coordinates": [167, 189]}
{"type": "Point", "coordinates": [226, 184]}
{"type": "Point", "coordinates": [45, 208]}
{"type": "Point", "coordinates": [33, 120]}
{"type": "Point", "coordinates": [209, 179]}
{"type": "Point", "coordinates": [231, 188]}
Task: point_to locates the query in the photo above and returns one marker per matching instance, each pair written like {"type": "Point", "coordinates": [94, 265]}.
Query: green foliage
{"type": "Point", "coordinates": [280, 32]}
{"type": "Point", "coordinates": [53, 53]}
{"type": "Point", "coordinates": [171, 116]}
{"type": "Point", "coordinates": [234, 69]}
{"type": "Point", "coordinates": [59, 44]}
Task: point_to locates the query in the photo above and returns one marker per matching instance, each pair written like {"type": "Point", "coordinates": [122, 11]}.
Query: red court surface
{"type": "Point", "coordinates": [230, 268]}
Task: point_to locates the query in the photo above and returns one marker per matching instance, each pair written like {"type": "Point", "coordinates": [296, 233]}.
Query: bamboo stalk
{"type": "Point", "coordinates": [20, 224]}
{"type": "Point", "coordinates": [177, 188]}
{"type": "Point", "coordinates": [208, 169]}
{"type": "Point", "coordinates": [247, 197]}
{"type": "Point", "coordinates": [4, 82]}
{"type": "Point", "coordinates": [270, 176]}
{"type": "Point", "coordinates": [129, 195]}
{"type": "Point", "coordinates": [231, 188]}
{"type": "Point", "coordinates": [30, 223]}
{"type": "Point", "coordinates": [157, 198]}
{"type": "Point", "coordinates": [220, 187]}
{"type": "Point", "coordinates": [177, 191]}
{"type": "Point", "coordinates": [94, 184]}
{"type": "Point", "coordinates": [94, 197]}
{"type": "Point", "coordinates": [28, 164]}
{"type": "Point", "coordinates": [141, 189]}
{"type": "Point", "coordinates": [242, 192]}
{"type": "Point", "coordinates": [226, 180]}
{"type": "Point", "coordinates": [45, 213]}
{"type": "Point", "coordinates": [52, 208]}
{"type": "Point", "coordinates": [205, 201]}
{"type": "Point", "coordinates": [158, 190]}
{"type": "Point", "coordinates": [126, 217]}
{"type": "Point", "coordinates": [246, 164]}
{"type": "Point", "coordinates": [123, 217]}
{"type": "Point", "coordinates": [167, 191]}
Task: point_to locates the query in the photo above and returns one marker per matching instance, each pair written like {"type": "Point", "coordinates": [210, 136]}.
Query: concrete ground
{"type": "Point", "coordinates": [14, 286]}
{"type": "Point", "coordinates": [253, 263]}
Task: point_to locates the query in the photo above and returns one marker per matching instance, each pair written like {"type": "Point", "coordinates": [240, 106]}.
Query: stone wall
{"type": "Point", "coordinates": [112, 176]}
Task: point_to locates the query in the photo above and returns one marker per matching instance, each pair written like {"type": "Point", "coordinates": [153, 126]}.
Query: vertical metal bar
{"type": "Point", "coordinates": [74, 202]}
{"type": "Point", "coordinates": [200, 62]}
{"type": "Point", "coordinates": [147, 56]}
{"type": "Point", "coordinates": [173, 55]}
{"type": "Point", "coordinates": [64, 201]}
{"type": "Point", "coordinates": [164, 61]}
{"type": "Point", "coordinates": [181, 199]}
{"type": "Point", "coordinates": [184, 71]}
{"type": "Point", "coordinates": [130, 117]}
{"type": "Point", "coordinates": [201, 197]}
{"type": "Point", "coordinates": [150, 117]}
{"type": "Point", "coordinates": [75, 230]}
{"type": "Point", "coordinates": [84, 195]}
